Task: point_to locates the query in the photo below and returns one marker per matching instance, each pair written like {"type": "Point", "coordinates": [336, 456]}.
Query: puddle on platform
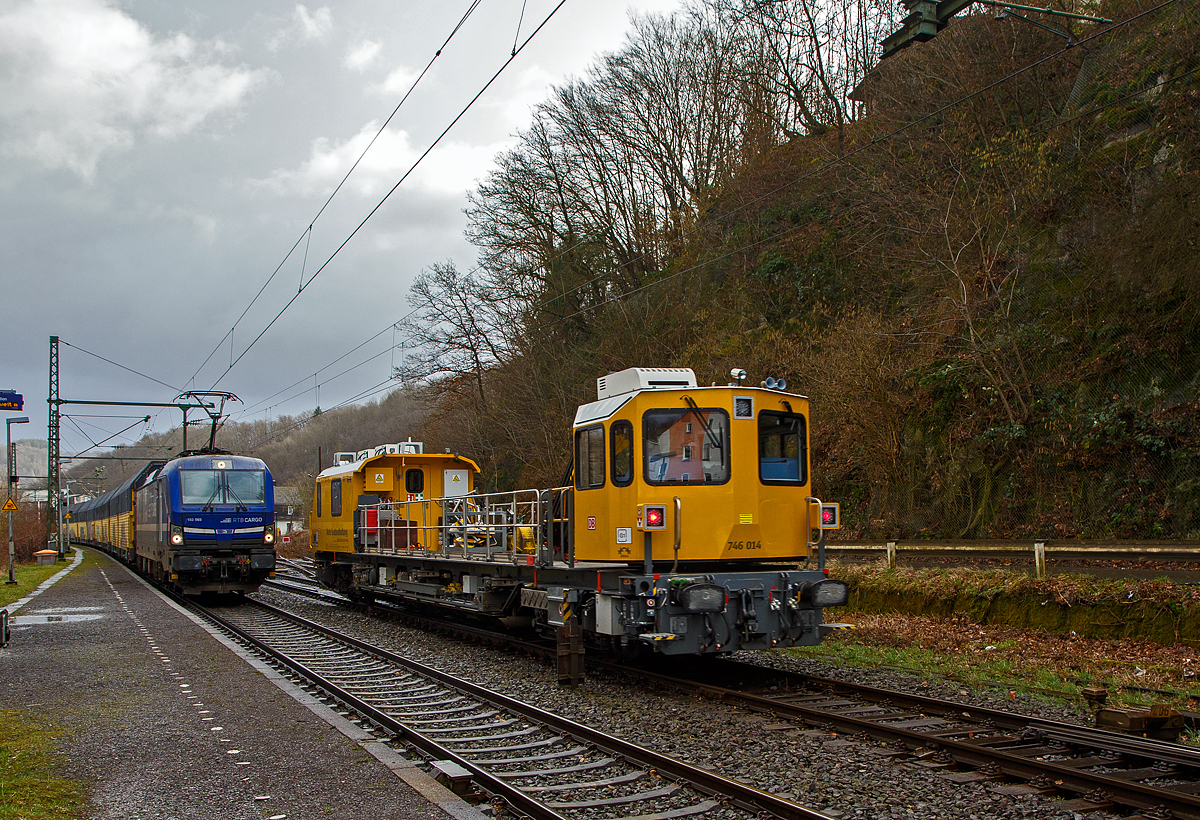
{"type": "Point", "coordinates": [32, 620]}
{"type": "Point", "coordinates": [67, 610]}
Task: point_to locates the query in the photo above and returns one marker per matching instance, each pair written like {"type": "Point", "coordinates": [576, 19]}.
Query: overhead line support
{"type": "Point", "coordinates": [927, 17]}
{"type": "Point", "coordinates": [52, 454]}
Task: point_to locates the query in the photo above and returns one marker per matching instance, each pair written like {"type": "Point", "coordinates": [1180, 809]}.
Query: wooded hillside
{"type": "Point", "coordinates": [987, 280]}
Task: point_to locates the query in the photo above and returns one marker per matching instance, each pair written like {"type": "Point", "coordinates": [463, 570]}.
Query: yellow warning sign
{"type": "Point", "coordinates": [67, 516]}
{"type": "Point", "coordinates": [9, 506]}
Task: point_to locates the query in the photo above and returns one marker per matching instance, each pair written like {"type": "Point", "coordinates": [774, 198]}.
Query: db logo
{"type": "Point", "coordinates": [591, 522]}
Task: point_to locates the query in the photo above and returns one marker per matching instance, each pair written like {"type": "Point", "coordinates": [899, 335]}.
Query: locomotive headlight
{"type": "Point", "coordinates": [176, 536]}
{"type": "Point", "coordinates": [269, 536]}
{"type": "Point", "coordinates": [702, 598]}
{"type": "Point", "coordinates": [825, 593]}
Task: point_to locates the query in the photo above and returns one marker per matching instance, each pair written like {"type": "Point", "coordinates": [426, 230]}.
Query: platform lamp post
{"type": "Point", "coordinates": [12, 486]}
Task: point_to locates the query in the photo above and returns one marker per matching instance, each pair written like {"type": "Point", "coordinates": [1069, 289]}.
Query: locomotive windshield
{"type": "Point", "coordinates": [686, 446]}
{"type": "Point", "coordinates": [208, 487]}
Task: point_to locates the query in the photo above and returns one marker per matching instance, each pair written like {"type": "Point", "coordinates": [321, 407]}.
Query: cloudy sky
{"type": "Point", "coordinates": [159, 159]}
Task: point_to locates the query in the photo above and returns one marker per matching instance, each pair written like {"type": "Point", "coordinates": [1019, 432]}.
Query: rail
{"type": "Point", "coordinates": [564, 767]}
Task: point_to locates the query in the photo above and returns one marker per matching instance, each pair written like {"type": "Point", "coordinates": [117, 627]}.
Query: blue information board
{"type": "Point", "coordinates": [11, 401]}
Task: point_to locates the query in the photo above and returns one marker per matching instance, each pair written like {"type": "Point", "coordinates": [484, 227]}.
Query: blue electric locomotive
{"type": "Point", "coordinates": [198, 523]}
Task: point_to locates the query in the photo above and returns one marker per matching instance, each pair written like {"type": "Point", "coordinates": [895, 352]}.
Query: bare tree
{"type": "Point", "coordinates": [808, 56]}
{"type": "Point", "coordinates": [615, 170]}
{"type": "Point", "coordinates": [456, 331]}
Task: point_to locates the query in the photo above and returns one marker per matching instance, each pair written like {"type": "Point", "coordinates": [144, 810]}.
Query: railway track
{"type": "Point", "coordinates": [297, 568]}
{"type": "Point", "coordinates": [1095, 769]}
{"type": "Point", "coordinates": [1010, 753]}
{"type": "Point", "coordinates": [540, 764]}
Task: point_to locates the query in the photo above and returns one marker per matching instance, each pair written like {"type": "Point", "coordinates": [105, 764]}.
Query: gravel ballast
{"type": "Point", "coordinates": [829, 772]}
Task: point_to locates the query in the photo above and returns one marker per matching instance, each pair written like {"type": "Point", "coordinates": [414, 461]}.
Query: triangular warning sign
{"type": "Point", "coordinates": [9, 506]}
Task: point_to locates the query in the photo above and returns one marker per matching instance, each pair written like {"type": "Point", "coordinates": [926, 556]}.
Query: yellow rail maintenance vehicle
{"type": "Point", "coordinates": [690, 527]}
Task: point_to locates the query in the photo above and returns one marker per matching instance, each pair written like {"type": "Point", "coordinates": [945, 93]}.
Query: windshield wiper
{"type": "Point", "coordinates": [695, 410]}
{"type": "Point", "coordinates": [241, 505]}
{"type": "Point", "coordinates": [208, 505]}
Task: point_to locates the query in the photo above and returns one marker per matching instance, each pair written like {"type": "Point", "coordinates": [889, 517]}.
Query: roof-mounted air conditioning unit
{"type": "Point", "coordinates": [633, 379]}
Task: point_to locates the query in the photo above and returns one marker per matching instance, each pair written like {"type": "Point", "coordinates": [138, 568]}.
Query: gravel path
{"type": "Point", "coordinates": [841, 777]}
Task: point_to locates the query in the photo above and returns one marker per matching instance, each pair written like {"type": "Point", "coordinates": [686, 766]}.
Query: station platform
{"type": "Point", "coordinates": [160, 718]}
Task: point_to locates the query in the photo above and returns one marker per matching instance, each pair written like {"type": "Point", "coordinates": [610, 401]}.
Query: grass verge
{"type": "Point", "coordinates": [29, 786]}
{"type": "Point", "coordinates": [28, 577]}
{"type": "Point", "coordinates": [1055, 665]}
{"type": "Point", "coordinates": [1066, 589]}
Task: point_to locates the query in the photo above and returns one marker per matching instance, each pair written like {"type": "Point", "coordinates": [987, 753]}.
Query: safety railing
{"type": "Point", "coordinates": [516, 526]}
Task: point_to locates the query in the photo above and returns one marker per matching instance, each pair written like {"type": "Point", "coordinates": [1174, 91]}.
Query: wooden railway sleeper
{"type": "Point", "coordinates": [603, 762]}
{"type": "Point", "coordinates": [416, 697]}
{"type": "Point", "coordinates": [500, 724]}
{"type": "Point", "coordinates": [521, 733]}
{"type": "Point", "coordinates": [690, 811]}
{"type": "Point", "coordinates": [537, 744]}
{"type": "Point", "coordinates": [458, 710]}
{"type": "Point", "coordinates": [1144, 773]}
{"type": "Point", "coordinates": [619, 800]}
{"type": "Point", "coordinates": [591, 784]}
{"type": "Point", "coordinates": [502, 761]}
{"type": "Point", "coordinates": [474, 720]}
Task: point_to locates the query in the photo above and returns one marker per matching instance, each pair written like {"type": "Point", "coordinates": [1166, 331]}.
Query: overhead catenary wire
{"type": "Point", "coordinates": [313, 375]}
{"type": "Point", "coordinates": [275, 435]}
{"type": "Point", "coordinates": [96, 444]}
{"type": "Point", "coordinates": [393, 189]}
{"type": "Point", "coordinates": [116, 364]}
{"type": "Point", "coordinates": [750, 203]}
{"type": "Point", "coordinates": [549, 302]}
{"type": "Point", "coordinates": [350, 369]}
{"type": "Point", "coordinates": [307, 232]}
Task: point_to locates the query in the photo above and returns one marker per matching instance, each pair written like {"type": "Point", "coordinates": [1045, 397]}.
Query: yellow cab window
{"type": "Point", "coordinates": [782, 448]}
{"type": "Point", "coordinates": [589, 457]}
{"type": "Point", "coordinates": [686, 446]}
{"type": "Point", "coordinates": [621, 437]}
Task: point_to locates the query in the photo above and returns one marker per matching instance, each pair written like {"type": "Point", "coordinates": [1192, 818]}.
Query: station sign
{"type": "Point", "coordinates": [11, 401]}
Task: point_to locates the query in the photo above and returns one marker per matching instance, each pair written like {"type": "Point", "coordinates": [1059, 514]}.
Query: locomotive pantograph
{"type": "Point", "coordinates": [689, 527]}
{"type": "Point", "coordinates": [203, 521]}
